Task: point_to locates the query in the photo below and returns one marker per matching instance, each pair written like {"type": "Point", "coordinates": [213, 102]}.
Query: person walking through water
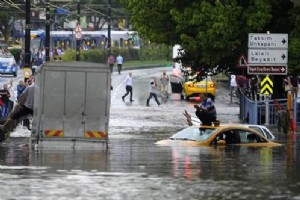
{"type": "Point", "coordinates": [25, 105]}
{"type": "Point", "coordinates": [128, 86]}
{"type": "Point", "coordinates": [152, 89]}
{"type": "Point", "coordinates": [164, 80]}
{"type": "Point", "coordinates": [111, 62]}
{"type": "Point", "coordinates": [119, 63]}
{"type": "Point", "coordinates": [5, 95]}
{"type": "Point", "coordinates": [206, 111]}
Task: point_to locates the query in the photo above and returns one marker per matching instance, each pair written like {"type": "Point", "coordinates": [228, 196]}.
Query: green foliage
{"type": "Point", "coordinates": [294, 59]}
{"type": "Point", "coordinates": [94, 55]}
{"type": "Point", "coordinates": [16, 53]}
{"type": "Point", "coordinates": [208, 31]}
{"type": "Point", "coordinates": [159, 52]}
{"type": "Point", "coordinates": [156, 52]}
{"type": "Point", "coordinates": [69, 55]}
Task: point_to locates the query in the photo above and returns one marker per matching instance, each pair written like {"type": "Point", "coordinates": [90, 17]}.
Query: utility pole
{"type": "Point", "coordinates": [108, 27]}
{"type": "Point", "coordinates": [27, 66]}
{"type": "Point", "coordinates": [78, 40]}
{"type": "Point", "coordinates": [47, 42]}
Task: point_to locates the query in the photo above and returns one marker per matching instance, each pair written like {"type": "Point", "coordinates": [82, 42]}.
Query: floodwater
{"type": "Point", "coordinates": [134, 168]}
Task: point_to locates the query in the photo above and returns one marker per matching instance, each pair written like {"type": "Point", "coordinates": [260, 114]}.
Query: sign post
{"type": "Point", "coordinates": [78, 32]}
{"type": "Point", "coordinates": [267, 55]}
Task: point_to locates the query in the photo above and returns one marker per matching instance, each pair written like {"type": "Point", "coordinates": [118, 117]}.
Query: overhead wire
{"type": "Point", "coordinates": [9, 2]}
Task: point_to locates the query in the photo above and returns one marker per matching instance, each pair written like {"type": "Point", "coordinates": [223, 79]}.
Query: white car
{"type": "Point", "coordinates": [259, 128]}
{"type": "Point", "coordinates": [8, 64]}
{"type": "Point", "coordinates": [263, 130]}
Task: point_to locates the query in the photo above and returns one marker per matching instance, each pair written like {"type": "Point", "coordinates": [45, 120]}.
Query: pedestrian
{"type": "Point", "coordinates": [254, 88]}
{"type": "Point", "coordinates": [5, 95]}
{"type": "Point", "coordinates": [34, 65]}
{"type": "Point", "coordinates": [128, 87]}
{"type": "Point", "coordinates": [20, 88]}
{"type": "Point", "coordinates": [55, 54]}
{"type": "Point", "coordinates": [233, 85]}
{"type": "Point", "coordinates": [12, 92]}
{"type": "Point", "coordinates": [164, 82]}
{"type": "Point", "coordinates": [206, 111]}
{"type": "Point", "coordinates": [111, 62]}
{"type": "Point", "coordinates": [25, 105]}
{"type": "Point", "coordinates": [22, 58]}
{"type": "Point", "coordinates": [287, 86]}
{"type": "Point", "coordinates": [294, 85]}
{"type": "Point", "coordinates": [152, 91]}
{"type": "Point", "coordinates": [119, 63]}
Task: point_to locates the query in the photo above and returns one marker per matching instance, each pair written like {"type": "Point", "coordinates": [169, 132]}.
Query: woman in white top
{"type": "Point", "coordinates": [233, 85]}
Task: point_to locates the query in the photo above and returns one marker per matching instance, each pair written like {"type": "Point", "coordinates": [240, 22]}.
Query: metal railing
{"type": "Point", "coordinates": [265, 111]}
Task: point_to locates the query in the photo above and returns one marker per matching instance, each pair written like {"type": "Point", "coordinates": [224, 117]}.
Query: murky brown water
{"type": "Point", "coordinates": [134, 168]}
{"type": "Point", "coordinates": [138, 169]}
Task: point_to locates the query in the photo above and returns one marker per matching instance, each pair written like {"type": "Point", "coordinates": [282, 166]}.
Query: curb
{"type": "Point", "coordinates": [146, 66]}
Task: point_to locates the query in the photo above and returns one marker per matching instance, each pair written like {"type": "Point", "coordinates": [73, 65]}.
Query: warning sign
{"type": "Point", "coordinates": [266, 86]}
{"type": "Point", "coordinates": [26, 72]}
{"type": "Point", "coordinates": [78, 32]}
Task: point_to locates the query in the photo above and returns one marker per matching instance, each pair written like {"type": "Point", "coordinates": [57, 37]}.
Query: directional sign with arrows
{"type": "Point", "coordinates": [267, 53]}
{"type": "Point", "coordinates": [267, 41]}
{"type": "Point", "coordinates": [267, 56]}
{"type": "Point", "coordinates": [266, 86]}
{"type": "Point", "coordinates": [268, 70]}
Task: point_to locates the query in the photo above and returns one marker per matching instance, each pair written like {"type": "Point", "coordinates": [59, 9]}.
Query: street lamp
{"type": "Point", "coordinates": [47, 43]}
{"type": "Point", "coordinates": [78, 32]}
{"type": "Point", "coordinates": [108, 27]}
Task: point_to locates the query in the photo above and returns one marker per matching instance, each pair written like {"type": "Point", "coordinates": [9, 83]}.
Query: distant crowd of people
{"type": "Point", "coordinates": [38, 57]}
{"type": "Point", "coordinates": [19, 98]}
{"type": "Point", "coordinates": [250, 85]}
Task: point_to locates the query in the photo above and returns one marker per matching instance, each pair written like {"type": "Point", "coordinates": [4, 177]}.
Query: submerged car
{"type": "Point", "coordinates": [8, 64]}
{"type": "Point", "coordinates": [218, 135]}
{"type": "Point", "coordinates": [195, 88]}
{"type": "Point", "coordinates": [259, 128]}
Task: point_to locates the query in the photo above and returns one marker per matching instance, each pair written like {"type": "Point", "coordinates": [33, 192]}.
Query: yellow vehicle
{"type": "Point", "coordinates": [195, 88]}
{"type": "Point", "coordinates": [218, 135]}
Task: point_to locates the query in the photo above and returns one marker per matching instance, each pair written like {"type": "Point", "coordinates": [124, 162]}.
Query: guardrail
{"type": "Point", "coordinates": [254, 112]}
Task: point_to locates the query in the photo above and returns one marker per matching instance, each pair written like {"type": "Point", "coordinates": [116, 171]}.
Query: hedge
{"type": "Point", "coordinates": [153, 52]}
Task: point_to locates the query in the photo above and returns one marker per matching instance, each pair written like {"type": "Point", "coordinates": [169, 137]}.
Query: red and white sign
{"type": "Point", "coordinates": [268, 70]}
{"type": "Point", "coordinates": [78, 32]}
{"type": "Point", "coordinates": [242, 61]}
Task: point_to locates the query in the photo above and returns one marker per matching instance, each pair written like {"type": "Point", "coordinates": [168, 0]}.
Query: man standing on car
{"type": "Point", "coordinates": [206, 111]}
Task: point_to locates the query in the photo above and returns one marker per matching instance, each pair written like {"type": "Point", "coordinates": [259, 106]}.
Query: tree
{"type": "Point", "coordinates": [294, 42]}
{"type": "Point", "coordinates": [9, 12]}
{"type": "Point", "coordinates": [209, 31]}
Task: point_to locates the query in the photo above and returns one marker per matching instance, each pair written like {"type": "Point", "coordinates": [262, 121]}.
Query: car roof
{"type": "Point", "coordinates": [260, 126]}
{"type": "Point", "coordinates": [226, 126]}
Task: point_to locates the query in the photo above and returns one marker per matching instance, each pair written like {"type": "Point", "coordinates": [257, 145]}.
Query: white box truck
{"type": "Point", "coordinates": [71, 105]}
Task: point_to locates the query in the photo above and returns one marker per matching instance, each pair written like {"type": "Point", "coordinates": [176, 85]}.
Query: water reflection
{"type": "Point", "coordinates": [137, 169]}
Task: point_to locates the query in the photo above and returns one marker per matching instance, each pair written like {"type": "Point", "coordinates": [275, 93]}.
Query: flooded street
{"type": "Point", "coordinates": [133, 167]}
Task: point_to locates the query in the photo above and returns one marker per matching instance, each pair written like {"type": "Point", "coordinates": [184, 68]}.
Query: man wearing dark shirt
{"type": "Point", "coordinates": [294, 81]}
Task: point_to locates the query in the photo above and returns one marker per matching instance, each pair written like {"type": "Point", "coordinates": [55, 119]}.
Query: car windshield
{"type": "Point", "coordinates": [194, 134]}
